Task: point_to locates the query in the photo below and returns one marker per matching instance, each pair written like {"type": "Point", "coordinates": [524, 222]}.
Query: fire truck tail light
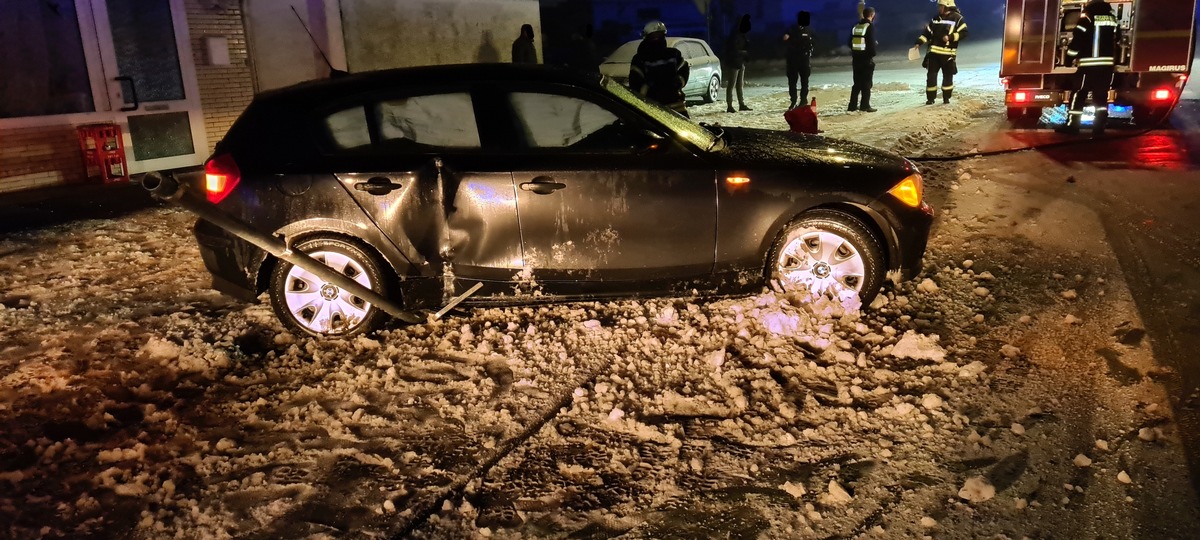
{"type": "Point", "coordinates": [1020, 97]}
{"type": "Point", "coordinates": [1161, 94]}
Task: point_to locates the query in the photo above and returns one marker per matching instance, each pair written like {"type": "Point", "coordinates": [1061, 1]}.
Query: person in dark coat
{"type": "Point", "coordinates": [523, 50]}
{"type": "Point", "coordinates": [799, 41]}
{"type": "Point", "coordinates": [734, 63]}
{"type": "Point", "coordinates": [658, 72]}
{"type": "Point", "coordinates": [862, 54]}
{"type": "Point", "coordinates": [583, 53]}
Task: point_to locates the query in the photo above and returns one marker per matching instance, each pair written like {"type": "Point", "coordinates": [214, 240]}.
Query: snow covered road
{"type": "Point", "coordinates": [1006, 391]}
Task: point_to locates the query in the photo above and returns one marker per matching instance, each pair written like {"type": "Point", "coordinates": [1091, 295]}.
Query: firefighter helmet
{"type": "Point", "coordinates": [947, 3]}
{"type": "Point", "coordinates": [652, 27]}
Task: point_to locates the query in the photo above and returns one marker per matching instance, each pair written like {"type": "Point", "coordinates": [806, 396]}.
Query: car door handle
{"type": "Point", "coordinates": [542, 185]}
{"type": "Point", "coordinates": [378, 186]}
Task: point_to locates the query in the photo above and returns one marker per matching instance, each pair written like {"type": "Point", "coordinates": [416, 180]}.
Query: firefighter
{"type": "Point", "coordinates": [862, 54]}
{"type": "Point", "coordinates": [658, 72]}
{"type": "Point", "coordinates": [942, 34]}
{"type": "Point", "coordinates": [1093, 47]}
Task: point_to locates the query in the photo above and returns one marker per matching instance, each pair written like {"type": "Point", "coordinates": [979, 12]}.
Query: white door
{"type": "Point", "coordinates": [149, 79]}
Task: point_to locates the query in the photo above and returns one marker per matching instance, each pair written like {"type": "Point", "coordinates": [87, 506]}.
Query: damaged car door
{"type": "Point", "coordinates": [606, 202]}
{"type": "Point", "coordinates": [430, 184]}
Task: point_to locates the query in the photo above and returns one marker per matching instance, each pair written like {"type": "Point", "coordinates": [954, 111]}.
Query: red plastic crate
{"type": "Point", "coordinates": [103, 153]}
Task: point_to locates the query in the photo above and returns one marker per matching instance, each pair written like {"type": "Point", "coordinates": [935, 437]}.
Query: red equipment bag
{"type": "Point", "coordinates": [803, 119]}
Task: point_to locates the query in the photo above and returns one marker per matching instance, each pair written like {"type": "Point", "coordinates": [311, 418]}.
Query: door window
{"type": "Point", "coordinates": [144, 42]}
{"type": "Point", "coordinates": [42, 61]}
{"type": "Point", "coordinates": [557, 121]}
{"type": "Point", "coordinates": [347, 129]}
{"type": "Point", "coordinates": [440, 120]}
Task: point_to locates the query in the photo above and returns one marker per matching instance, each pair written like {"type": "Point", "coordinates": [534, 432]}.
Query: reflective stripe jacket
{"type": "Point", "coordinates": [658, 72]}
{"type": "Point", "coordinates": [862, 40]}
{"type": "Point", "coordinates": [1094, 40]}
{"type": "Point", "coordinates": [943, 33]}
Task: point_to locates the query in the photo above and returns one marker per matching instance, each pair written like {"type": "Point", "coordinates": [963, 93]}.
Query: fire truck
{"type": "Point", "coordinates": [1154, 56]}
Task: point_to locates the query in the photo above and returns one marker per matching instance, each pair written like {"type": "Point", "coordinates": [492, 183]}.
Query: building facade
{"type": "Point", "coordinates": [175, 74]}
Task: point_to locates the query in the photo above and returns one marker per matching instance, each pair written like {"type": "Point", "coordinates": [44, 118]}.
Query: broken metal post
{"type": "Point", "coordinates": [457, 300]}
{"type": "Point", "coordinates": [166, 188]}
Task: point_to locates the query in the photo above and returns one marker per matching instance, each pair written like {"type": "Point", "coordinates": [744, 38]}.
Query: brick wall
{"type": "Point", "coordinates": [224, 90]}
{"type": "Point", "coordinates": [37, 157]}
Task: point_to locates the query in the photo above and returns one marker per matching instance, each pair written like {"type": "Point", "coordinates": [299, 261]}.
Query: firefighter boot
{"type": "Point", "coordinates": [1072, 125]}
{"type": "Point", "coordinates": [1099, 123]}
{"type": "Point", "coordinates": [853, 100]}
{"type": "Point", "coordinates": [946, 95]}
{"type": "Point", "coordinates": [930, 96]}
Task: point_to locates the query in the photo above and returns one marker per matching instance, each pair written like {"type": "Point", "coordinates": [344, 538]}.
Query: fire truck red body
{"type": "Point", "coordinates": [1154, 55]}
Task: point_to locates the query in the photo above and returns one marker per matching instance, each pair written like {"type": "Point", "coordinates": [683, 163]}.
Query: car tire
{"type": "Point", "coordinates": [828, 253]}
{"type": "Point", "coordinates": [714, 89]}
{"type": "Point", "coordinates": [308, 305]}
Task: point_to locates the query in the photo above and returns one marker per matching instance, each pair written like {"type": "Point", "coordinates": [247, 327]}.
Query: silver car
{"type": "Point", "coordinates": [704, 81]}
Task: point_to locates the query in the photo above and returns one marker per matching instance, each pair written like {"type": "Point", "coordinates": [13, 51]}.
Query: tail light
{"type": "Point", "coordinates": [221, 175]}
{"type": "Point", "coordinates": [1161, 94]}
{"type": "Point", "coordinates": [909, 191]}
{"type": "Point", "coordinates": [1020, 97]}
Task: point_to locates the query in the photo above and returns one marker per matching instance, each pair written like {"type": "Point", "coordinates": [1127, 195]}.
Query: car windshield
{"type": "Point", "coordinates": [624, 53]}
{"type": "Point", "coordinates": [696, 134]}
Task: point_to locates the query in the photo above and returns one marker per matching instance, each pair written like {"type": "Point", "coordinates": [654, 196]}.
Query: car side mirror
{"type": "Point", "coordinates": [649, 141]}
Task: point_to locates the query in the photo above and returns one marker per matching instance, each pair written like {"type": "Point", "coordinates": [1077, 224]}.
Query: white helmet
{"type": "Point", "coordinates": [652, 27]}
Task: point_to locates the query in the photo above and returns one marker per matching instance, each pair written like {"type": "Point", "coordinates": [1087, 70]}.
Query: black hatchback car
{"type": "Point", "coordinates": [541, 185]}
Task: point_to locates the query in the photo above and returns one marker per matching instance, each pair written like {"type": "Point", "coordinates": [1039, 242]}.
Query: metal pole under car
{"type": "Point", "coordinates": [166, 188]}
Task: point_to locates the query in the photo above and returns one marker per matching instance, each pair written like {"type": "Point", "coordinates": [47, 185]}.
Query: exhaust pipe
{"type": "Point", "coordinates": [165, 187]}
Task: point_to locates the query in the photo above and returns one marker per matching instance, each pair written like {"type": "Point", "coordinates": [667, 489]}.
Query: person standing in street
{"type": "Point", "coordinates": [734, 63]}
{"type": "Point", "coordinates": [658, 72]}
{"type": "Point", "coordinates": [862, 54]}
{"type": "Point", "coordinates": [523, 49]}
{"type": "Point", "coordinates": [1093, 47]}
{"type": "Point", "coordinates": [799, 43]}
{"type": "Point", "coordinates": [942, 34]}
{"type": "Point", "coordinates": [583, 51]}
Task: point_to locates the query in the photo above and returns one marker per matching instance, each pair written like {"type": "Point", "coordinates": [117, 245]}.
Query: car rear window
{"type": "Point", "coordinates": [624, 53]}
{"type": "Point", "coordinates": [348, 128]}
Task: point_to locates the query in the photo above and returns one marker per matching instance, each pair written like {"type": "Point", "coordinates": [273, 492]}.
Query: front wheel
{"type": "Point", "coordinates": [828, 253]}
{"type": "Point", "coordinates": [714, 89]}
{"type": "Point", "coordinates": [308, 304]}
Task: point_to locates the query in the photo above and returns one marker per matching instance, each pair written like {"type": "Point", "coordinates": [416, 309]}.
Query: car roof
{"type": "Point", "coordinates": [353, 83]}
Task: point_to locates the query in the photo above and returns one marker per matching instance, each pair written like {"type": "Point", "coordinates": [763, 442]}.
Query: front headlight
{"type": "Point", "coordinates": [909, 191]}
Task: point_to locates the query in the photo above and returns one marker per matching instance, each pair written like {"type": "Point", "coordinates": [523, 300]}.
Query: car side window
{"type": "Point", "coordinates": [347, 129]}
{"type": "Point", "coordinates": [438, 120]}
{"type": "Point", "coordinates": [558, 121]}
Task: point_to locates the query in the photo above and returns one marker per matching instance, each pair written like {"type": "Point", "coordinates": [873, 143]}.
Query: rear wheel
{"type": "Point", "coordinates": [308, 304]}
{"type": "Point", "coordinates": [714, 89]}
{"type": "Point", "coordinates": [828, 253]}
